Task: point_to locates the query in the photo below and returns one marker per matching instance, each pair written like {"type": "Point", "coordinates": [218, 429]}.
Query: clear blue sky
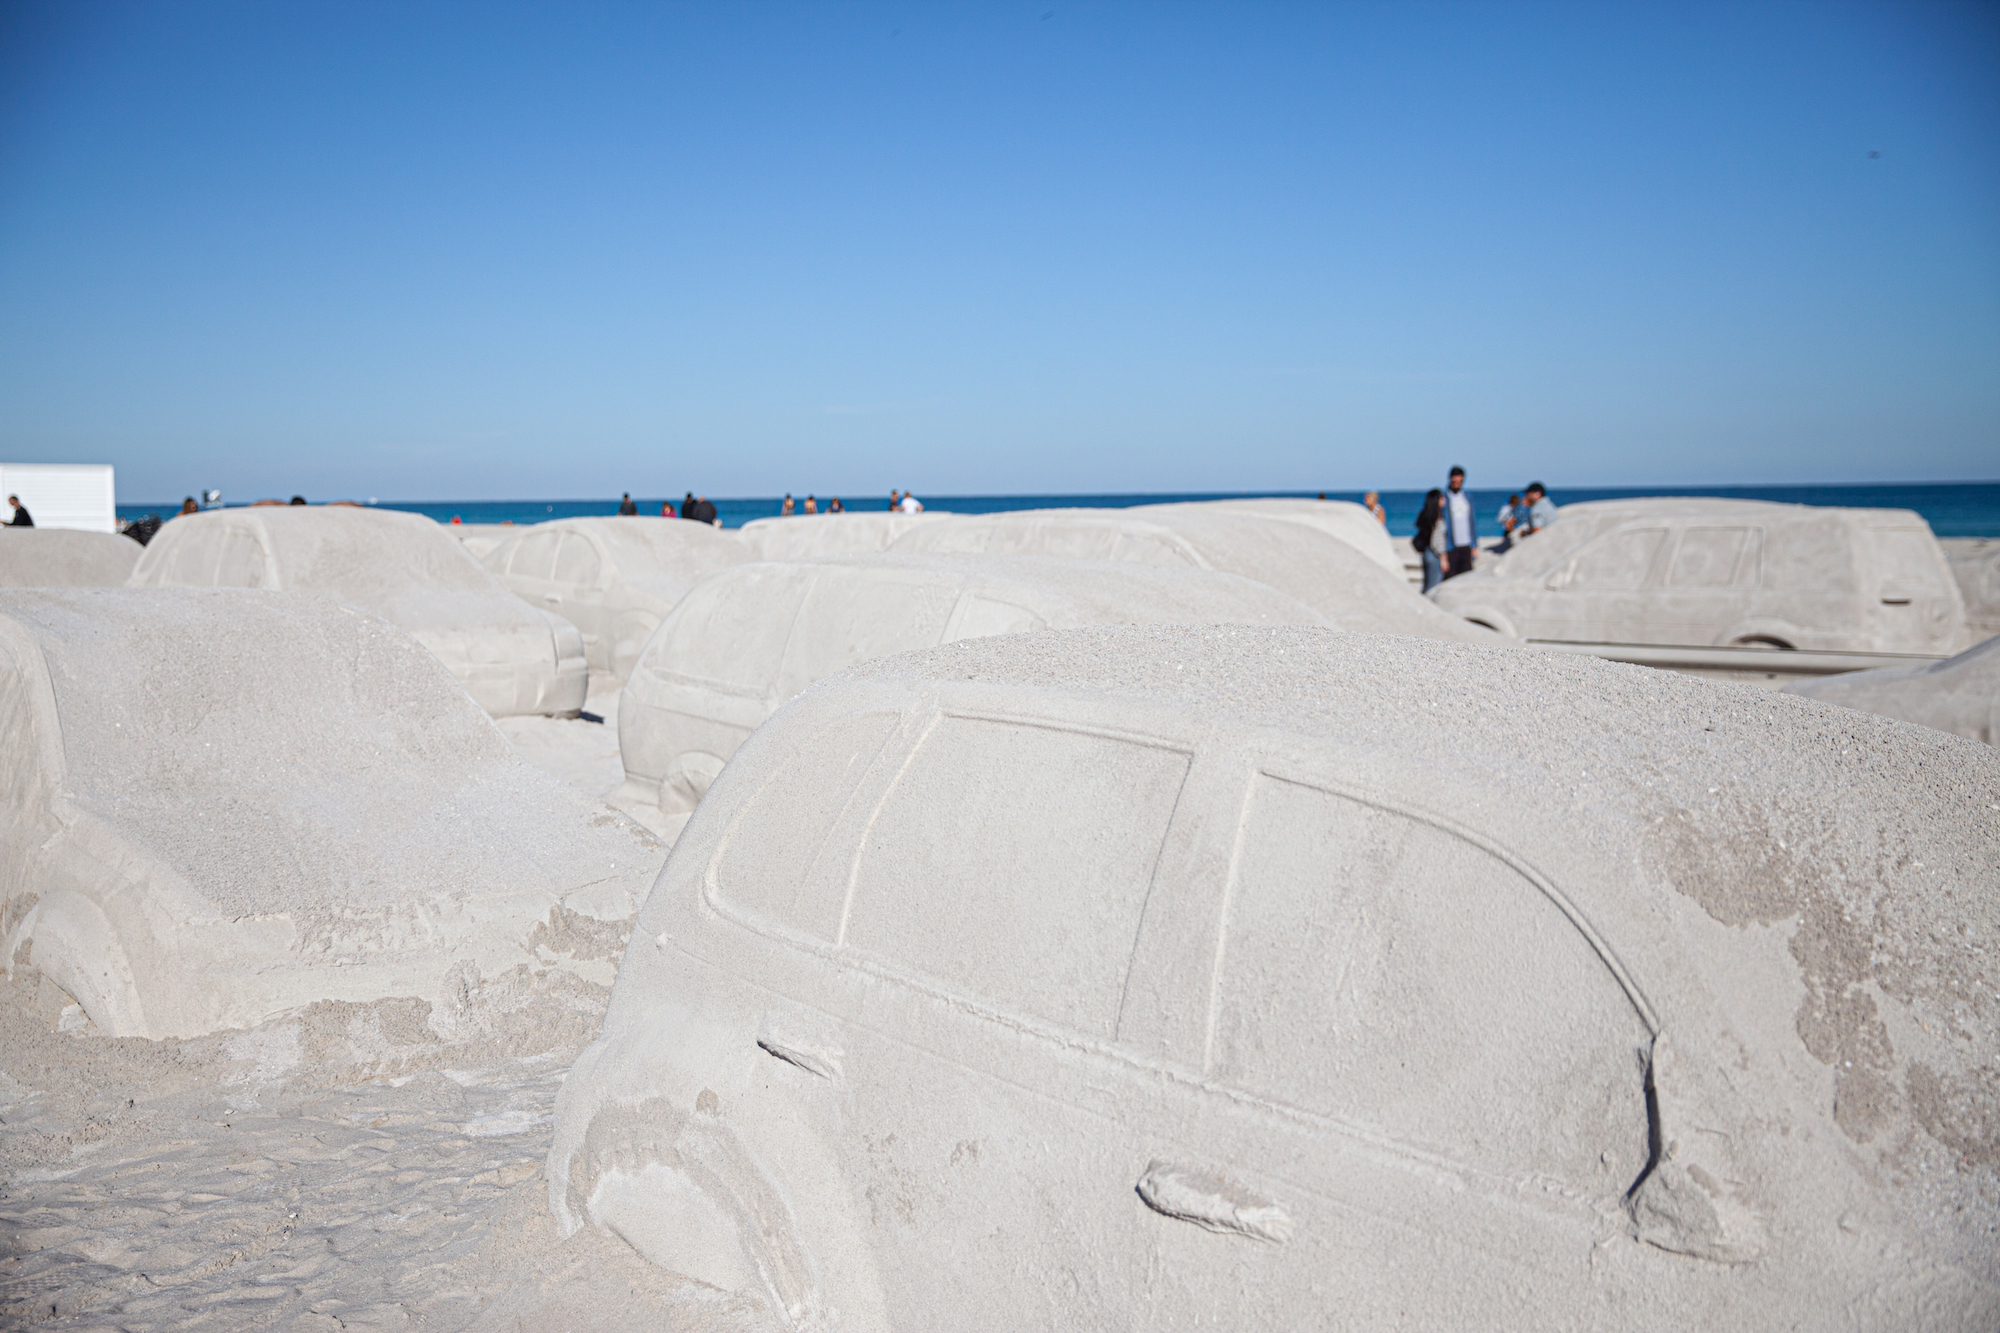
{"type": "Point", "coordinates": [487, 251]}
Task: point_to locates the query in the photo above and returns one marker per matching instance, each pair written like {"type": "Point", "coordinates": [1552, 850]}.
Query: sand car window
{"type": "Point", "coordinates": [576, 561]}
{"type": "Point", "coordinates": [1710, 558]}
{"type": "Point", "coordinates": [852, 616]}
{"type": "Point", "coordinates": [240, 561]}
{"type": "Point", "coordinates": [729, 632]}
{"type": "Point", "coordinates": [1011, 863]}
{"type": "Point", "coordinates": [534, 556]}
{"type": "Point", "coordinates": [1379, 969]}
{"type": "Point", "coordinates": [1614, 563]}
{"type": "Point", "coordinates": [782, 879]}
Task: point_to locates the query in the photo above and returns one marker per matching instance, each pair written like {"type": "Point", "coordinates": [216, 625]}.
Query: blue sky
{"type": "Point", "coordinates": [486, 251]}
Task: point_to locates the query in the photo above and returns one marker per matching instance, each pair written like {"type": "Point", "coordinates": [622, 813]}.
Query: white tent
{"type": "Point", "coordinates": [64, 495]}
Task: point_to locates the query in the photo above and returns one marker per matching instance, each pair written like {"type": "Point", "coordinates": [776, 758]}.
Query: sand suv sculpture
{"type": "Point", "coordinates": [513, 658]}
{"type": "Point", "coordinates": [65, 558]}
{"type": "Point", "coordinates": [1722, 573]}
{"type": "Point", "coordinates": [1339, 518]}
{"type": "Point", "coordinates": [750, 638]}
{"type": "Point", "coordinates": [818, 536]}
{"type": "Point", "coordinates": [615, 579]}
{"type": "Point", "coordinates": [1960, 695]}
{"type": "Point", "coordinates": [1139, 978]}
{"type": "Point", "coordinates": [225, 804]}
{"type": "Point", "coordinates": [1327, 573]}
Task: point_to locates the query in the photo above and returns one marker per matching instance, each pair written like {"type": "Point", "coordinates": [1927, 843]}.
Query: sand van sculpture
{"type": "Point", "coordinates": [818, 536]}
{"type": "Point", "coordinates": [223, 804]}
{"type": "Point", "coordinates": [65, 558]}
{"type": "Point", "coordinates": [615, 579]}
{"type": "Point", "coordinates": [1960, 695]}
{"type": "Point", "coordinates": [1352, 590]}
{"type": "Point", "coordinates": [512, 657]}
{"type": "Point", "coordinates": [750, 638]}
{"type": "Point", "coordinates": [1722, 573]}
{"type": "Point", "coordinates": [1138, 978]}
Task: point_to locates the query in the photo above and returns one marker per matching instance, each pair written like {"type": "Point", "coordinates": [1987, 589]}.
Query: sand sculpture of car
{"type": "Point", "coordinates": [1722, 573]}
{"type": "Point", "coordinates": [1340, 518]}
{"type": "Point", "coordinates": [750, 638]}
{"type": "Point", "coordinates": [1327, 573]}
{"type": "Point", "coordinates": [513, 658]}
{"type": "Point", "coordinates": [65, 558]}
{"type": "Point", "coordinates": [480, 538]}
{"type": "Point", "coordinates": [1960, 695]}
{"type": "Point", "coordinates": [1975, 567]}
{"type": "Point", "coordinates": [1191, 978]}
{"type": "Point", "coordinates": [223, 804]}
{"type": "Point", "coordinates": [818, 536]}
{"type": "Point", "coordinates": [615, 579]}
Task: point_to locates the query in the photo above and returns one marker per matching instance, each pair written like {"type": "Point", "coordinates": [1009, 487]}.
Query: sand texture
{"type": "Point", "coordinates": [512, 657]}
{"type": "Point", "coordinates": [1178, 977]}
{"type": "Point", "coordinates": [65, 558]}
{"type": "Point", "coordinates": [225, 804]}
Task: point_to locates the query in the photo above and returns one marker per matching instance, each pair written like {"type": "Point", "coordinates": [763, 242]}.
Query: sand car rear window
{"type": "Point", "coordinates": [1377, 968]}
{"type": "Point", "coordinates": [1713, 558]}
{"type": "Point", "coordinates": [1011, 864]}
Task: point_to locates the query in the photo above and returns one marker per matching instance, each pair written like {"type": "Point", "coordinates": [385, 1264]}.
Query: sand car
{"type": "Point", "coordinates": [615, 579]}
{"type": "Point", "coordinates": [1326, 572]}
{"type": "Point", "coordinates": [750, 638]}
{"type": "Point", "coordinates": [513, 658]}
{"type": "Point", "coordinates": [1975, 567]}
{"type": "Point", "coordinates": [1340, 518]}
{"type": "Point", "coordinates": [1722, 573]}
{"type": "Point", "coordinates": [65, 558]}
{"type": "Point", "coordinates": [222, 805]}
{"type": "Point", "coordinates": [817, 536]}
{"type": "Point", "coordinates": [1139, 978]}
{"type": "Point", "coordinates": [1960, 695]}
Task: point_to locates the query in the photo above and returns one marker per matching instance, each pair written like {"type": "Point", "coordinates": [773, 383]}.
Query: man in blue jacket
{"type": "Point", "coordinates": [1461, 533]}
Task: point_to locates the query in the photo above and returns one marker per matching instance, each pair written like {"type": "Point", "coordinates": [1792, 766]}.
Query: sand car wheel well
{"type": "Point", "coordinates": [1769, 643]}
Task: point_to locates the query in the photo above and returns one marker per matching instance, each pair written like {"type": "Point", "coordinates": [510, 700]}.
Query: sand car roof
{"type": "Point", "coordinates": [344, 551]}
{"type": "Point", "coordinates": [64, 558]}
{"type": "Point", "coordinates": [818, 536]}
{"type": "Point", "coordinates": [654, 548]}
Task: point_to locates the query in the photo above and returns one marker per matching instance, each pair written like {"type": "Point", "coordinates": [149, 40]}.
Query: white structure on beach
{"type": "Point", "coordinates": [1188, 978]}
{"type": "Point", "coordinates": [748, 639]}
{"type": "Point", "coordinates": [226, 804]}
{"type": "Point", "coordinates": [41, 557]}
{"type": "Point", "coordinates": [1723, 573]}
{"type": "Point", "coordinates": [64, 495]}
{"type": "Point", "coordinates": [512, 657]}
{"type": "Point", "coordinates": [615, 579]}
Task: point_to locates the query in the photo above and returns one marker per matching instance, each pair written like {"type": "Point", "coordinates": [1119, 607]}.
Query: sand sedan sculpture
{"type": "Point", "coordinates": [818, 536]}
{"type": "Point", "coordinates": [1960, 695]}
{"type": "Point", "coordinates": [750, 638]}
{"type": "Point", "coordinates": [225, 804]}
{"type": "Point", "coordinates": [513, 658]}
{"type": "Point", "coordinates": [1351, 589]}
{"type": "Point", "coordinates": [1339, 518]}
{"type": "Point", "coordinates": [65, 558]}
{"type": "Point", "coordinates": [1722, 573]}
{"type": "Point", "coordinates": [1147, 978]}
{"type": "Point", "coordinates": [615, 579]}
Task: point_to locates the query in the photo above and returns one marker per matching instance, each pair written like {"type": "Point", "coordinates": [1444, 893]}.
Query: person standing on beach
{"type": "Point", "coordinates": [22, 518]}
{"type": "Point", "coordinates": [911, 504]}
{"type": "Point", "coordinates": [1461, 534]}
{"type": "Point", "coordinates": [812, 504]}
{"type": "Point", "coordinates": [687, 505]}
{"type": "Point", "coordinates": [626, 509]}
{"type": "Point", "coordinates": [1428, 539]}
{"type": "Point", "coordinates": [1372, 502]}
{"type": "Point", "coordinates": [834, 506]}
{"type": "Point", "coordinates": [1541, 510]}
{"type": "Point", "coordinates": [1506, 519]}
{"type": "Point", "coordinates": [785, 510]}
{"type": "Point", "coordinates": [894, 497]}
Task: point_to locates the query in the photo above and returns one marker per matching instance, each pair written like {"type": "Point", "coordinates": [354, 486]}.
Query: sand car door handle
{"type": "Point", "coordinates": [1212, 1200]}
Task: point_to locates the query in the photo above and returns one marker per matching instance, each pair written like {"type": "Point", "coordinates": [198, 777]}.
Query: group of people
{"type": "Point", "coordinates": [811, 506]}
{"type": "Point", "coordinates": [1447, 535]}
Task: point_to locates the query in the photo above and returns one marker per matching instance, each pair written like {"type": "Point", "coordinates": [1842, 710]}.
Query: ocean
{"type": "Point", "coordinates": [1959, 509]}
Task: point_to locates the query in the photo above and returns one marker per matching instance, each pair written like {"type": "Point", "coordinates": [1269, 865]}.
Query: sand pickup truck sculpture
{"type": "Point", "coordinates": [1722, 573]}
{"type": "Point", "coordinates": [615, 579]}
{"type": "Point", "coordinates": [513, 658]}
{"type": "Point", "coordinates": [1139, 978]}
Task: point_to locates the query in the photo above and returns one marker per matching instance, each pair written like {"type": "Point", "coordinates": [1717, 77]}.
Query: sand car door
{"type": "Point", "coordinates": [1711, 573]}
{"type": "Point", "coordinates": [988, 929]}
{"type": "Point", "coordinates": [1605, 592]}
{"type": "Point", "coordinates": [531, 569]}
{"type": "Point", "coordinates": [1917, 606]}
{"type": "Point", "coordinates": [577, 594]}
{"type": "Point", "coordinates": [1417, 1094]}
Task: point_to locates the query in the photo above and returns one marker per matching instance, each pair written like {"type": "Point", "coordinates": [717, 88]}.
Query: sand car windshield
{"type": "Point", "coordinates": [1384, 971]}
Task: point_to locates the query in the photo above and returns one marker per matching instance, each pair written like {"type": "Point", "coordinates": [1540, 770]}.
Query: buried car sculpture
{"type": "Point", "coordinates": [1722, 573]}
{"type": "Point", "coordinates": [1137, 978]}
{"type": "Point", "coordinates": [513, 658]}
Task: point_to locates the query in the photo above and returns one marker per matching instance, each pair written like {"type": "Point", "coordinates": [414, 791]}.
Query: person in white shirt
{"type": "Point", "coordinates": [911, 504]}
{"type": "Point", "coordinates": [1461, 533]}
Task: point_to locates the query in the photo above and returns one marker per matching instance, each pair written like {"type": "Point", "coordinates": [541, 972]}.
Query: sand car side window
{"type": "Point", "coordinates": [729, 632]}
{"type": "Point", "coordinates": [1377, 968]}
{"type": "Point", "coordinates": [1011, 863]}
{"type": "Point", "coordinates": [852, 616]}
{"type": "Point", "coordinates": [784, 879]}
{"type": "Point", "coordinates": [534, 556]}
{"type": "Point", "coordinates": [1616, 562]}
{"type": "Point", "coordinates": [240, 562]}
{"type": "Point", "coordinates": [1714, 558]}
{"type": "Point", "coordinates": [577, 562]}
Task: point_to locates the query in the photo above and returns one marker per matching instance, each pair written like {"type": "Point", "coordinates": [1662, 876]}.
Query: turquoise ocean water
{"type": "Point", "coordinates": [1960, 509]}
